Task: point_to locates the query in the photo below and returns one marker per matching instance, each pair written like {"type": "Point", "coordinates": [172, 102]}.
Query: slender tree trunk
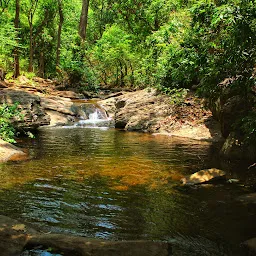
{"type": "Point", "coordinates": [83, 19]}
{"type": "Point", "coordinates": [16, 50]}
{"type": "Point", "coordinates": [116, 75]}
{"type": "Point", "coordinates": [105, 77]}
{"type": "Point", "coordinates": [41, 64]}
{"type": "Point", "coordinates": [122, 73]}
{"type": "Point", "coordinates": [60, 6]}
{"type": "Point", "coordinates": [101, 19]}
{"type": "Point", "coordinates": [31, 48]}
{"type": "Point", "coordinates": [132, 77]}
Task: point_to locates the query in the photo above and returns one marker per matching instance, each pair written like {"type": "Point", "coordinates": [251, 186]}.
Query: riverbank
{"type": "Point", "coordinates": [44, 102]}
{"type": "Point", "coordinates": [149, 111]}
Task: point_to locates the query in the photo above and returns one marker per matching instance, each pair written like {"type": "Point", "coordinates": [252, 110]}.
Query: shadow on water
{"type": "Point", "coordinates": [124, 186]}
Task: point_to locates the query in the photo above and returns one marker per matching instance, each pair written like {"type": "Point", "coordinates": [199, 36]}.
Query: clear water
{"type": "Point", "coordinates": [38, 252]}
{"type": "Point", "coordinates": [111, 184]}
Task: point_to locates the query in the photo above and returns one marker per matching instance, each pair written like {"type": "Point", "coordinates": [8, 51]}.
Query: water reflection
{"type": "Point", "coordinates": [117, 185]}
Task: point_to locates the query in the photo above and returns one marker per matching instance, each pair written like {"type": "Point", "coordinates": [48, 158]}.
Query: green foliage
{"type": "Point", "coordinates": [114, 57]}
{"type": "Point", "coordinates": [171, 45]}
{"type": "Point", "coordinates": [7, 113]}
{"type": "Point", "coordinates": [247, 126]}
{"type": "Point", "coordinates": [177, 96]}
{"type": "Point", "coordinates": [224, 37]}
{"type": "Point", "coordinates": [8, 37]}
{"type": "Point", "coordinates": [167, 62]}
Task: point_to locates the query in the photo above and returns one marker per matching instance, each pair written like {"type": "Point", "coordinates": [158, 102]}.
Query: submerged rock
{"type": "Point", "coordinates": [72, 245]}
{"type": "Point", "coordinates": [15, 237]}
{"type": "Point", "coordinates": [248, 198]}
{"type": "Point", "coordinates": [203, 176]}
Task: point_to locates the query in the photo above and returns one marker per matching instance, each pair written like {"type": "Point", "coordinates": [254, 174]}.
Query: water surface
{"type": "Point", "coordinates": [111, 184]}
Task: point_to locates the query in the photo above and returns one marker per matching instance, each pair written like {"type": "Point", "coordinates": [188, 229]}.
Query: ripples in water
{"type": "Point", "coordinates": [120, 185]}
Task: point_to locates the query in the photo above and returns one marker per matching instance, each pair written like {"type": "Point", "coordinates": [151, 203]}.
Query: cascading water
{"type": "Point", "coordinates": [94, 116]}
{"type": "Point", "coordinates": [91, 115]}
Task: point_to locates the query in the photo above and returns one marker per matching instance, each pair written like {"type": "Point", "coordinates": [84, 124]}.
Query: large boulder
{"type": "Point", "coordinates": [9, 152]}
{"type": "Point", "coordinates": [59, 104]}
{"type": "Point", "coordinates": [229, 109]}
{"type": "Point", "coordinates": [30, 105]}
{"type": "Point", "coordinates": [59, 109]}
{"type": "Point", "coordinates": [148, 111]}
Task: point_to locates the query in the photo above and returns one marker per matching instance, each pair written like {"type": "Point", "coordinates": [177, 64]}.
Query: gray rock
{"type": "Point", "coordinates": [147, 111]}
{"type": "Point", "coordinates": [59, 104]}
{"type": "Point", "coordinates": [30, 106]}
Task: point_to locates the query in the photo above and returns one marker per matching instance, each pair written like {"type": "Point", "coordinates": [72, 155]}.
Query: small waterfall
{"type": "Point", "coordinates": [94, 116]}
{"type": "Point", "coordinates": [91, 115]}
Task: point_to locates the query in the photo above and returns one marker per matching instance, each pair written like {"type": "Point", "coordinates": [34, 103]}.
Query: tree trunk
{"type": "Point", "coordinates": [83, 19]}
{"type": "Point", "coordinates": [16, 72]}
{"type": "Point", "coordinates": [122, 74]}
{"type": "Point", "coordinates": [132, 76]}
{"type": "Point", "coordinates": [41, 64]}
{"type": "Point", "coordinates": [60, 6]}
{"type": "Point", "coordinates": [31, 48]}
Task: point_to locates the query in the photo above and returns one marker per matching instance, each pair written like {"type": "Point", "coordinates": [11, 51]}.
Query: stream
{"type": "Point", "coordinates": [105, 183]}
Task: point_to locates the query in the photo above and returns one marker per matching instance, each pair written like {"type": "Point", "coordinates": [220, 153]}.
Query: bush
{"type": "Point", "coordinates": [7, 112]}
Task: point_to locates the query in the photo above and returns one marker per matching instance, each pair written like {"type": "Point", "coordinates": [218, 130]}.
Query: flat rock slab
{"type": "Point", "coordinates": [80, 246]}
{"type": "Point", "coordinates": [203, 176]}
{"type": "Point", "coordinates": [61, 105]}
{"type": "Point", "coordinates": [9, 152]}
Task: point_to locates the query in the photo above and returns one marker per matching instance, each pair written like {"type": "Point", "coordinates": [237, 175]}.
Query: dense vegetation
{"type": "Point", "coordinates": [169, 44]}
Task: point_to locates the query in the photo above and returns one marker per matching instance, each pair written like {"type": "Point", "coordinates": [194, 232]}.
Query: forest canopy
{"type": "Point", "coordinates": [168, 44]}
